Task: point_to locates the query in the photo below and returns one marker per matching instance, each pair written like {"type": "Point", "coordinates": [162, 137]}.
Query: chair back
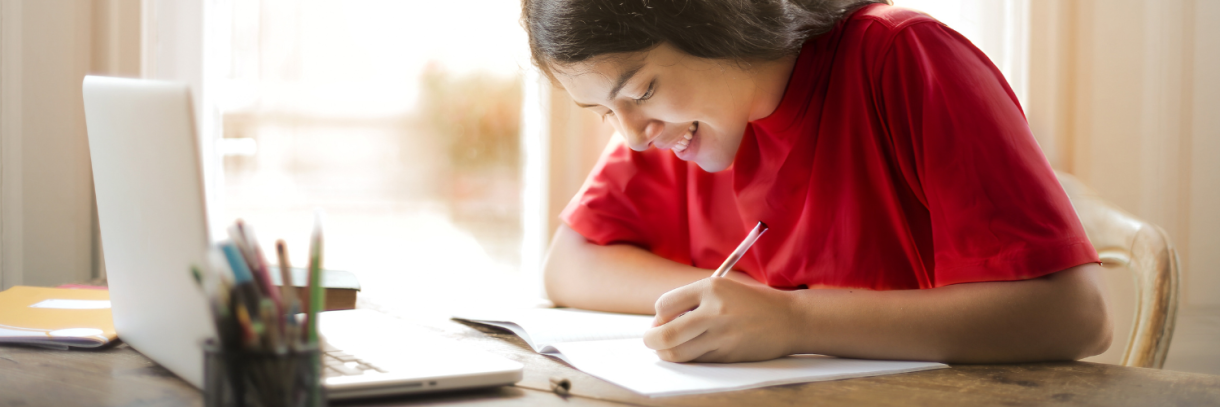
{"type": "Point", "coordinates": [1145, 249]}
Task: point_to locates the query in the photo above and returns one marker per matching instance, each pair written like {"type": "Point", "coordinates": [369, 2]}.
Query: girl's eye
{"type": "Point", "coordinates": [647, 95]}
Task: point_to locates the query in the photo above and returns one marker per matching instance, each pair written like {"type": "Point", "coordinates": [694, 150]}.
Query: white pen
{"type": "Point", "coordinates": [741, 250]}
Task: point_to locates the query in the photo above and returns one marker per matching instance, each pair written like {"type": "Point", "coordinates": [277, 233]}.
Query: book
{"type": "Point", "coordinates": [56, 318]}
{"type": "Point", "coordinates": [341, 286]}
{"type": "Point", "coordinates": [610, 347]}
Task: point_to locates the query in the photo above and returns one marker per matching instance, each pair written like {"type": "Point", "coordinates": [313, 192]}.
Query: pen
{"type": "Point", "coordinates": [741, 250]}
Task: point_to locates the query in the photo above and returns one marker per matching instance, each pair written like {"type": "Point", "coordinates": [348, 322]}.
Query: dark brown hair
{"type": "Point", "coordinates": [570, 31]}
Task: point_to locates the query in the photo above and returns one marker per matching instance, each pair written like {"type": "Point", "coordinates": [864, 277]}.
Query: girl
{"type": "Point", "coordinates": [911, 213]}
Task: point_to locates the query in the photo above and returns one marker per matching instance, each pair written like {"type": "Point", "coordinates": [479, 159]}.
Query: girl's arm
{"type": "Point", "coordinates": [614, 278]}
{"type": "Point", "coordinates": [1061, 316]}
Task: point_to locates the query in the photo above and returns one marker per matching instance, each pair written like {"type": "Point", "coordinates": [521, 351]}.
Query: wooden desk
{"type": "Point", "coordinates": [121, 376]}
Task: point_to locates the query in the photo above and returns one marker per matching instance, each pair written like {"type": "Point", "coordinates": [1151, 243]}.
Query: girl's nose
{"type": "Point", "coordinates": [639, 138]}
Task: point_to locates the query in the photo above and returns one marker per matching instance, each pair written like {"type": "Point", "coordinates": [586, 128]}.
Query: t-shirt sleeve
{"type": "Point", "coordinates": [964, 147]}
{"type": "Point", "coordinates": [634, 197]}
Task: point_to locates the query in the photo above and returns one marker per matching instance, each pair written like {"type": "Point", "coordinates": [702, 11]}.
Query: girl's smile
{"type": "Point", "coordinates": [685, 149]}
{"type": "Point", "coordinates": [664, 98]}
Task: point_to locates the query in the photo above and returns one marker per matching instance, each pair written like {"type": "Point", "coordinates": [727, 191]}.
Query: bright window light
{"type": "Point", "coordinates": [401, 120]}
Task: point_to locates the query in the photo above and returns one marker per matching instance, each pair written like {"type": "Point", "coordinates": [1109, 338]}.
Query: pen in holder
{"type": "Point", "coordinates": [266, 349]}
{"type": "Point", "coordinates": [240, 377]}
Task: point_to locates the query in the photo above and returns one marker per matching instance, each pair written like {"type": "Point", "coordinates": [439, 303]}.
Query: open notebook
{"type": "Point", "coordinates": [609, 346]}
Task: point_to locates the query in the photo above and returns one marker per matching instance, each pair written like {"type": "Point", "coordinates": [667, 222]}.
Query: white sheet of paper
{"type": "Point", "coordinates": [72, 304]}
{"type": "Point", "coordinates": [628, 363]}
{"type": "Point", "coordinates": [543, 327]}
{"type": "Point", "coordinates": [610, 346]}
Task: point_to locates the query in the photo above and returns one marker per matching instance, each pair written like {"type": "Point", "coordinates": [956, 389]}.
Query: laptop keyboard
{"type": "Point", "coordinates": [337, 363]}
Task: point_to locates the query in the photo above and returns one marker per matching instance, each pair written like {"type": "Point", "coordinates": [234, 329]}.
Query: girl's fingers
{"type": "Point", "coordinates": [690, 350]}
{"type": "Point", "coordinates": [676, 332]}
{"type": "Point", "coordinates": [678, 302]}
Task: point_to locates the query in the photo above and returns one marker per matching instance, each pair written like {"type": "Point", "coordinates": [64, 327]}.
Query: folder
{"type": "Point", "coordinates": [56, 318]}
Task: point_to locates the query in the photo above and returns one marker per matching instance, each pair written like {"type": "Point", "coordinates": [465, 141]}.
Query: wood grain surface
{"type": "Point", "coordinates": [1073, 383]}
{"type": "Point", "coordinates": [120, 376]}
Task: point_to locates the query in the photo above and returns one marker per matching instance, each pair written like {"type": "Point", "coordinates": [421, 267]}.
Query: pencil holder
{"type": "Point", "coordinates": [248, 378]}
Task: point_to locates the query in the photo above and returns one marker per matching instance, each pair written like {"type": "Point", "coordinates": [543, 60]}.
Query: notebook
{"type": "Point", "coordinates": [56, 317]}
{"type": "Point", "coordinates": [610, 347]}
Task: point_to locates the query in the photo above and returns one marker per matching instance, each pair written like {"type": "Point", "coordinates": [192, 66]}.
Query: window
{"type": "Point", "coordinates": [401, 119]}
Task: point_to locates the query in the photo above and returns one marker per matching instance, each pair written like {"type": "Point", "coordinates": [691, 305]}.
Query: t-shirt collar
{"type": "Point", "coordinates": [790, 104]}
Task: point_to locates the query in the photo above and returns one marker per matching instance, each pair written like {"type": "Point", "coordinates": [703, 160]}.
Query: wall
{"type": "Point", "coordinates": [1124, 95]}
{"type": "Point", "coordinates": [173, 47]}
{"type": "Point", "coordinates": [47, 216]}
{"type": "Point", "coordinates": [578, 137]}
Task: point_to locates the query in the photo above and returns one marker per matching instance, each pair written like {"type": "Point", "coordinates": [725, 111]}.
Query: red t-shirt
{"type": "Point", "coordinates": [898, 158]}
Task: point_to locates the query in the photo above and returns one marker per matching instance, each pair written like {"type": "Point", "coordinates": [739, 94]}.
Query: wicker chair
{"type": "Point", "coordinates": [1122, 239]}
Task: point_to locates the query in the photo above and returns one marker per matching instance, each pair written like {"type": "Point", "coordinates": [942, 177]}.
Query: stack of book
{"type": "Point", "coordinates": [341, 287]}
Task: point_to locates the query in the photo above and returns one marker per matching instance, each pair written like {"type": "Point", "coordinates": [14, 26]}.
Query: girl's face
{"type": "Point", "coordinates": [664, 98]}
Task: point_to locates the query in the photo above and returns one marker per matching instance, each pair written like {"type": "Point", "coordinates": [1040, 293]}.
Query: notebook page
{"type": "Point", "coordinates": [544, 327]}
{"type": "Point", "coordinates": [628, 363]}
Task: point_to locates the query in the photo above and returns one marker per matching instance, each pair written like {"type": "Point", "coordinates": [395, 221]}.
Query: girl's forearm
{"type": "Point", "coordinates": [1061, 316]}
{"type": "Point", "coordinates": [613, 278]}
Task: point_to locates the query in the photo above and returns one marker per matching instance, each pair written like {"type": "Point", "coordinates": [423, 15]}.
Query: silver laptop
{"type": "Point", "coordinates": [150, 203]}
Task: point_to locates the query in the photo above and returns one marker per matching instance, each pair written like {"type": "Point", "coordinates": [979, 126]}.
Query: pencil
{"type": "Point", "coordinates": [728, 264]}
{"type": "Point", "coordinates": [317, 297]}
{"type": "Point", "coordinates": [287, 288]}
{"type": "Point", "coordinates": [288, 291]}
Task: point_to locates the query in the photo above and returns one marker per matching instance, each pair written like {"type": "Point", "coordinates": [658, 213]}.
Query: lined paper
{"type": "Point", "coordinates": [610, 347]}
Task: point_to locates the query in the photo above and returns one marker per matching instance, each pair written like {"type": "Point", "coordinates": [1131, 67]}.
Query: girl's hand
{"type": "Point", "coordinates": [721, 320]}
{"type": "Point", "coordinates": [743, 278]}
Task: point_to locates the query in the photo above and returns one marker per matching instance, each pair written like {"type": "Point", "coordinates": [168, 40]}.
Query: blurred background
{"type": "Point", "coordinates": [442, 159]}
{"type": "Point", "coordinates": [400, 119]}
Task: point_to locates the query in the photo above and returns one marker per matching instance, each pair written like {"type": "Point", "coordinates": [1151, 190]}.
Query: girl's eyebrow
{"type": "Point", "coordinates": [622, 80]}
{"type": "Point", "coordinates": [618, 84]}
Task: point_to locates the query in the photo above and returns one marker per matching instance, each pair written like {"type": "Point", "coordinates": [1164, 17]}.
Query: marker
{"type": "Point", "coordinates": [741, 250]}
{"type": "Point", "coordinates": [248, 335]}
{"type": "Point", "coordinates": [244, 286]}
{"type": "Point", "coordinates": [243, 237]}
